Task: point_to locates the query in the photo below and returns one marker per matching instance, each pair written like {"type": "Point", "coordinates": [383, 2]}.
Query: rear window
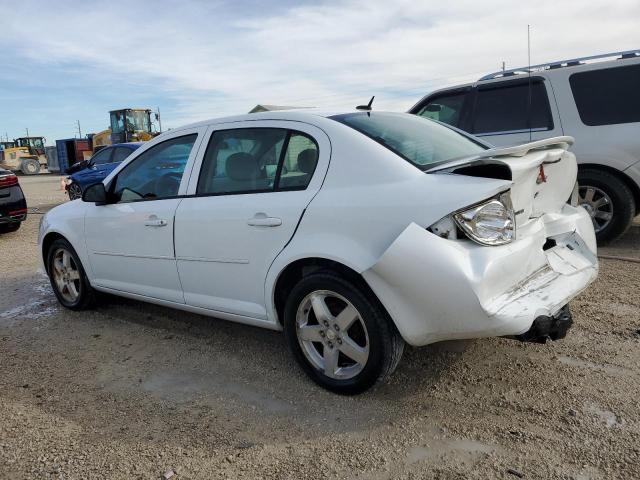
{"type": "Point", "coordinates": [507, 109]}
{"type": "Point", "coordinates": [420, 141]}
{"type": "Point", "coordinates": [608, 96]}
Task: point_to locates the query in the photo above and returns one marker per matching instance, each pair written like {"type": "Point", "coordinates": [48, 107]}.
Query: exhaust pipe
{"type": "Point", "coordinates": [546, 327]}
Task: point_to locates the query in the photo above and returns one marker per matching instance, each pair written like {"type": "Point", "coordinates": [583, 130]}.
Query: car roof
{"type": "Point", "coordinates": [299, 114]}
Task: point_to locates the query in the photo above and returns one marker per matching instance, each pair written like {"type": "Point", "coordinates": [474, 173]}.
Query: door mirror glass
{"type": "Point", "coordinates": [95, 193]}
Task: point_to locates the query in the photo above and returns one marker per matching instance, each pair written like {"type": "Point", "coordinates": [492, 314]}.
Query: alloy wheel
{"type": "Point", "coordinates": [598, 204]}
{"type": "Point", "coordinates": [332, 334]}
{"type": "Point", "coordinates": [75, 191]}
{"type": "Point", "coordinates": [66, 275]}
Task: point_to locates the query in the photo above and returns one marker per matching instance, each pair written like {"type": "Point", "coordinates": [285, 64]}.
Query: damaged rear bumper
{"type": "Point", "coordinates": [438, 289]}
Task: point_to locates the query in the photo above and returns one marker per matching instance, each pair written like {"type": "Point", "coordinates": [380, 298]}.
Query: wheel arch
{"type": "Point", "coordinates": [47, 241]}
{"type": "Point", "coordinates": [301, 267]}
{"type": "Point", "coordinates": [633, 186]}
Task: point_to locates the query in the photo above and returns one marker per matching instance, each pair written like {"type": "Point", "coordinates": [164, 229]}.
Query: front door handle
{"type": "Point", "coordinates": [261, 220]}
{"type": "Point", "coordinates": [154, 221]}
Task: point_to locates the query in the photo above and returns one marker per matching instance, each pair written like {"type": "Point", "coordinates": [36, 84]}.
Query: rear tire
{"type": "Point", "coordinates": [30, 166]}
{"type": "Point", "coordinates": [615, 198]}
{"type": "Point", "coordinates": [68, 278]}
{"type": "Point", "coordinates": [368, 334]}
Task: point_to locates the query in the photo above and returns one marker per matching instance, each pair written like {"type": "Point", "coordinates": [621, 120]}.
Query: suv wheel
{"type": "Point", "coordinates": [343, 339]}
{"type": "Point", "coordinates": [67, 276]}
{"type": "Point", "coordinates": [608, 200]}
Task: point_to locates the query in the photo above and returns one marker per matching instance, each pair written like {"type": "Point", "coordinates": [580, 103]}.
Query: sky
{"type": "Point", "coordinates": [65, 61]}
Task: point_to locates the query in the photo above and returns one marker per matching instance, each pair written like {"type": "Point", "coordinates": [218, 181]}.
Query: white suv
{"type": "Point", "coordinates": [594, 99]}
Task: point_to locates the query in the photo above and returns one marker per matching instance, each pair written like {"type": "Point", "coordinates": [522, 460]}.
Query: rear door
{"type": "Point", "coordinates": [249, 193]}
{"type": "Point", "coordinates": [514, 112]}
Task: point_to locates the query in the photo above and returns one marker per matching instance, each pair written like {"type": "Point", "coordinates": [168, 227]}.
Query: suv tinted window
{"type": "Point", "coordinates": [505, 108]}
{"type": "Point", "coordinates": [156, 173]}
{"type": "Point", "coordinates": [607, 96]}
{"type": "Point", "coordinates": [251, 160]}
{"type": "Point", "coordinates": [445, 108]}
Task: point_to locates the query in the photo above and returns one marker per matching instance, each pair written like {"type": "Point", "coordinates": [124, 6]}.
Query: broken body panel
{"type": "Point", "coordinates": [447, 288]}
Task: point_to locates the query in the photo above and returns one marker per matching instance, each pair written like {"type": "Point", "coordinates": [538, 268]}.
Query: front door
{"type": "Point", "coordinates": [253, 186]}
{"type": "Point", "coordinates": [130, 240]}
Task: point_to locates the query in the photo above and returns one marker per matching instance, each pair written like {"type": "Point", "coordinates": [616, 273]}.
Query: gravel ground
{"type": "Point", "coordinates": [132, 390]}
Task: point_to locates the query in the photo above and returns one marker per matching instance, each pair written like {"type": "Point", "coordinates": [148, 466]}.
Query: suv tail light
{"type": "Point", "coordinates": [8, 180]}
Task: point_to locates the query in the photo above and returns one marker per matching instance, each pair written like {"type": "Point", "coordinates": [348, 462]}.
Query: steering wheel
{"type": "Point", "coordinates": [168, 184]}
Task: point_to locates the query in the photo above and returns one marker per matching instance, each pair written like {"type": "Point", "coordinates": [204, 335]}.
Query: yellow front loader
{"type": "Point", "coordinates": [24, 154]}
{"type": "Point", "coordinates": [127, 125]}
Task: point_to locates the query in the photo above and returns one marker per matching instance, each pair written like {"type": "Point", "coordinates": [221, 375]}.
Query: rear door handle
{"type": "Point", "coordinates": [261, 220]}
{"type": "Point", "coordinates": [154, 221]}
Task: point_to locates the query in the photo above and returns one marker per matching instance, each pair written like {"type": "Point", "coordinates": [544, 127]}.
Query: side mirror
{"type": "Point", "coordinates": [95, 193]}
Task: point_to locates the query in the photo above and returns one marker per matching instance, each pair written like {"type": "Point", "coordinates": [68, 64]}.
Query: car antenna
{"type": "Point", "coordinates": [366, 107]}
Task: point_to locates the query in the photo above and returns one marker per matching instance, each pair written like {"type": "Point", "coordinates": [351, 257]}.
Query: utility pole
{"type": "Point", "coordinates": [79, 130]}
{"type": "Point", "coordinates": [503, 66]}
{"type": "Point", "coordinates": [27, 131]}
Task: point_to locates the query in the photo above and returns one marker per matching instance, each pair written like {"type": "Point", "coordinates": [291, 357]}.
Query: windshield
{"type": "Point", "coordinates": [33, 142]}
{"type": "Point", "coordinates": [418, 140]}
{"type": "Point", "coordinates": [138, 120]}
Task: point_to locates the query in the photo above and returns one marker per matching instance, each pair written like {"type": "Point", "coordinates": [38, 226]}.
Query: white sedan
{"type": "Point", "coordinates": [354, 233]}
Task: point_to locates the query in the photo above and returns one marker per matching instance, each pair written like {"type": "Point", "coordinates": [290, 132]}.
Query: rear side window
{"type": "Point", "coordinates": [608, 96]}
{"type": "Point", "coordinates": [120, 154]}
{"type": "Point", "coordinates": [253, 160]}
{"type": "Point", "coordinates": [506, 109]}
{"type": "Point", "coordinates": [102, 157]}
{"type": "Point", "coordinates": [445, 108]}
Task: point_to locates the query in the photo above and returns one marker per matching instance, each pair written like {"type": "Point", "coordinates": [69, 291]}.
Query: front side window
{"type": "Point", "coordinates": [511, 108]}
{"type": "Point", "coordinates": [156, 173]}
{"type": "Point", "coordinates": [445, 108]}
{"type": "Point", "coordinates": [608, 96]}
{"type": "Point", "coordinates": [251, 160]}
{"type": "Point", "coordinates": [418, 140]}
{"type": "Point", "coordinates": [102, 157]}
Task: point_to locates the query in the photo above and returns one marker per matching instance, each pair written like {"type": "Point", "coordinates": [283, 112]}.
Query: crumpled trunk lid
{"type": "Point", "coordinates": [543, 174]}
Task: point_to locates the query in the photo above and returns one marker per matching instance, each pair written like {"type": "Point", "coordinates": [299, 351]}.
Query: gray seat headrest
{"type": "Point", "coordinates": [241, 167]}
{"type": "Point", "coordinates": [307, 160]}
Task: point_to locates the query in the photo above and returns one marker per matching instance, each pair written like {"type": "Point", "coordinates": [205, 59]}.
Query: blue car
{"type": "Point", "coordinates": [98, 167]}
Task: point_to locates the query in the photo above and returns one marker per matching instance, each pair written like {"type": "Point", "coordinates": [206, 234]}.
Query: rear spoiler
{"type": "Point", "coordinates": [486, 156]}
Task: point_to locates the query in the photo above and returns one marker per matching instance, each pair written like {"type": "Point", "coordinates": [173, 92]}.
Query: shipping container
{"type": "Point", "coordinates": [70, 151]}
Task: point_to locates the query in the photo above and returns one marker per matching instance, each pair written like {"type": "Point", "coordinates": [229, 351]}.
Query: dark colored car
{"type": "Point", "coordinates": [98, 167]}
{"type": "Point", "coordinates": [13, 206]}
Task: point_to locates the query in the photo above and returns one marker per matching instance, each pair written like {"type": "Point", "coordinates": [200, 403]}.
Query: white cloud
{"type": "Point", "coordinates": [222, 58]}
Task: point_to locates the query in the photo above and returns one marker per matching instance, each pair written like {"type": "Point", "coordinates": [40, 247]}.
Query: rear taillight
{"type": "Point", "coordinates": [8, 180]}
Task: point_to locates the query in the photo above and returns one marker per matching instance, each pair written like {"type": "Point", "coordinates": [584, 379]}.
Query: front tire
{"type": "Point", "coordinates": [608, 200]}
{"type": "Point", "coordinates": [341, 337]}
{"type": "Point", "coordinates": [30, 166]}
{"type": "Point", "coordinates": [68, 278]}
{"type": "Point", "coordinates": [74, 191]}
